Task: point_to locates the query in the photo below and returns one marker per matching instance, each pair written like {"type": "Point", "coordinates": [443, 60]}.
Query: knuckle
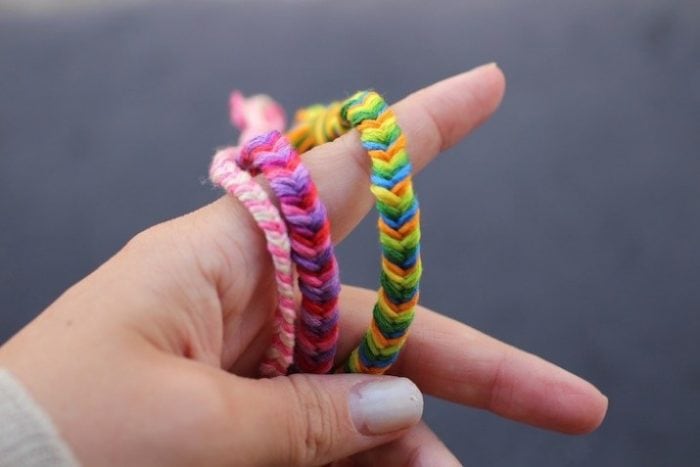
{"type": "Point", "coordinates": [314, 424]}
{"type": "Point", "coordinates": [435, 131]}
{"type": "Point", "coordinates": [145, 239]}
{"type": "Point", "coordinates": [501, 393]}
{"type": "Point", "coordinates": [349, 144]}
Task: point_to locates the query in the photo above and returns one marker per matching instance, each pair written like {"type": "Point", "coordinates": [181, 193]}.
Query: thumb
{"type": "Point", "coordinates": [316, 419]}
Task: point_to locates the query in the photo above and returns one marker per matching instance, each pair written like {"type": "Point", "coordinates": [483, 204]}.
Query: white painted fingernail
{"type": "Point", "coordinates": [385, 404]}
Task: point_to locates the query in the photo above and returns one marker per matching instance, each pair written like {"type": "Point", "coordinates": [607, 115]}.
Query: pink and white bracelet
{"type": "Point", "coordinates": [252, 116]}
{"type": "Point", "coordinates": [239, 183]}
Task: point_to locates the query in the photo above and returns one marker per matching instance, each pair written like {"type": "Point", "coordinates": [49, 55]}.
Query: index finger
{"type": "Point", "coordinates": [433, 119]}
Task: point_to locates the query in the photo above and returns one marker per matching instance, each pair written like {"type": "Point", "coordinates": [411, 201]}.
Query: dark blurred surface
{"type": "Point", "coordinates": [568, 225]}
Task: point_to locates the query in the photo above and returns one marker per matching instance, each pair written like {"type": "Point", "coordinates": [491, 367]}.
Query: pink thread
{"type": "Point", "coordinates": [225, 172]}
{"type": "Point", "coordinates": [255, 115]}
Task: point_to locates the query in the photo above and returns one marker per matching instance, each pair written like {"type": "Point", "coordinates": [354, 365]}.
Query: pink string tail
{"type": "Point", "coordinates": [255, 115]}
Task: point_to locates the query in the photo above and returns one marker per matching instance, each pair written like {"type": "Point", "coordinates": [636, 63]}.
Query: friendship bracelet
{"type": "Point", "coordinates": [228, 175]}
{"type": "Point", "coordinates": [317, 124]}
{"type": "Point", "coordinates": [272, 155]}
{"type": "Point", "coordinates": [398, 226]}
{"type": "Point", "coordinates": [399, 232]}
{"type": "Point", "coordinates": [399, 221]}
{"type": "Point", "coordinates": [252, 116]}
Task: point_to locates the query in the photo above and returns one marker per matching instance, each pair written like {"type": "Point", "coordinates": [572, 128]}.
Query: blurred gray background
{"type": "Point", "coordinates": [568, 225]}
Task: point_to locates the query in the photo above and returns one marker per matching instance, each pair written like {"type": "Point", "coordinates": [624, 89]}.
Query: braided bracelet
{"type": "Point", "coordinates": [312, 251]}
{"type": "Point", "coordinates": [399, 221]}
{"type": "Point", "coordinates": [317, 124]}
{"type": "Point", "coordinates": [228, 175]}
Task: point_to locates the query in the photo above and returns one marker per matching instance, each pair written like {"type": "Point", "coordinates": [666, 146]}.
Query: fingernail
{"type": "Point", "coordinates": [385, 405]}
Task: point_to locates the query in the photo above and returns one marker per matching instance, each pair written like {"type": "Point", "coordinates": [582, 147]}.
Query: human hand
{"type": "Point", "coordinates": [148, 360]}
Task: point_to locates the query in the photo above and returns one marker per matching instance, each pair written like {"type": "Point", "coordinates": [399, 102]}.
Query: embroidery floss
{"type": "Point", "coordinates": [252, 116]}
{"type": "Point", "coordinates": [272, 155]}
{"type": "Point", "coordinates": [317, 124]}
{"type": "Point", "coordinates": [399, 228]}
{"type": "Point", "coordinates": [399, 217]}
{"type": "Point", "coordinates": [225, 172]}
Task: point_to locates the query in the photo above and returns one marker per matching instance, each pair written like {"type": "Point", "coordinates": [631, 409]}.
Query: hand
{"type": "Point", "coordinates": [147, 361]}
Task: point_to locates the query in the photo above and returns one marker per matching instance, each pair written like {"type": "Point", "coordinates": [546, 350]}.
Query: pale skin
{"type": "Point", "coordinates": [150, 360]}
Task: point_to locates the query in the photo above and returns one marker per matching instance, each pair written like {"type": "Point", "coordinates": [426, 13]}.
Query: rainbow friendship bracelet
{"type": "Point", "coordinates": [399, 217]}
{"type": "Point", "coordinates": [312, 250]}
{"type": "Point", "coordinates": [399, 232]}
{"type": "Point", "coordinates": [229, 176]}
{"type": "Point", "coordinates": [317, 124]}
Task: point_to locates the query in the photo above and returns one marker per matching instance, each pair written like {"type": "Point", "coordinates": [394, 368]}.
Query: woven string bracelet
{"type": "Point", "coordinates": [317, 124]}
{"type": "Point", "coordinates": [229, 176]}
{"type": "Point", "coordinates": [315, 340]}
{"type": "Point", "coordinates": [254, 115]}
{"type": "Point", "coordinates": [399, 218]}
{"type": "Point", "coordinates": [312, 251]}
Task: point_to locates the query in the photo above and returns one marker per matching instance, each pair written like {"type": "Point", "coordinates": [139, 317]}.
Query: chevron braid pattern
{"type": "Point", "coordinates": [312, 250]}
{"type": "Point", "coordinates": [399, 232]}
{"type": "Point", "coordinates": [399, 221]}
{"type": "Point", "coordinates": [225, 172]}
{"type": "Point", "coordinates": [316, 125]}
